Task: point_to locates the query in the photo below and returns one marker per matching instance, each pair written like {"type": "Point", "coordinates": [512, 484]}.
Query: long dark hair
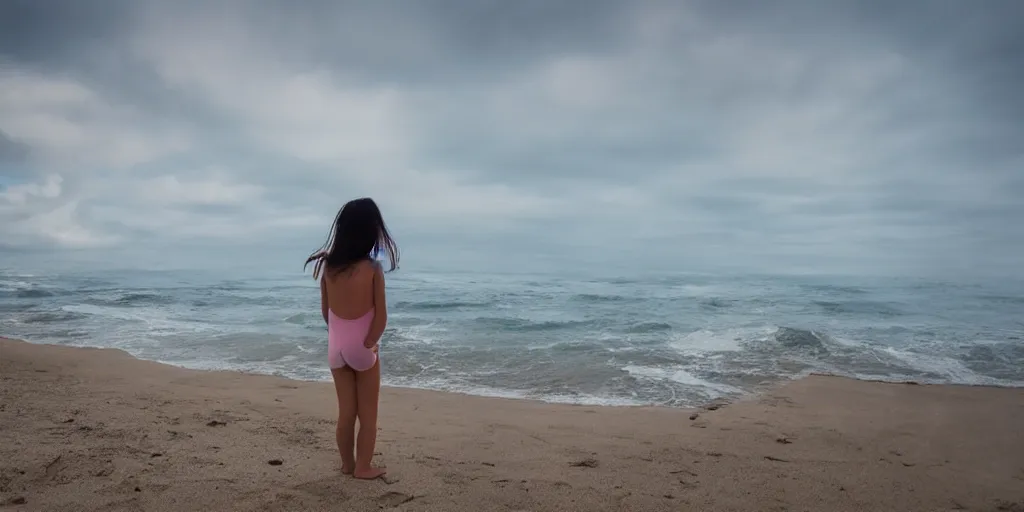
{"type": "Point", "coordinates": [358, 233]}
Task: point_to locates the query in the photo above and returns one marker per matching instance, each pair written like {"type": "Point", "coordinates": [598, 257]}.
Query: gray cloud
{"type": "Point", "coordinates": [859, 136]}
{"type": "Point", "coordinates": [11, 151]}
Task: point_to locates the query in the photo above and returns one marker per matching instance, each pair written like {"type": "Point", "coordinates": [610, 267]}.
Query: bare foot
{"type": "Point", "coordinates": [369, 474]}
{"type": "Point", "coordinates": [345, 470]}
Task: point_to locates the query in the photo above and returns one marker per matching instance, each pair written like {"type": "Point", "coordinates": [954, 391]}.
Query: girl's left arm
{"type": "Point", "coordinates": [380, 309]}
{"type": "Point", "coordinates": [323, 298]}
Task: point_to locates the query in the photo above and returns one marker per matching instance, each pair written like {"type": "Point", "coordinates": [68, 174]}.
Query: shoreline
{"type": "Point", "coordinates": [97, 429]}
{"type": "Point", "coordinates": [747, 395]}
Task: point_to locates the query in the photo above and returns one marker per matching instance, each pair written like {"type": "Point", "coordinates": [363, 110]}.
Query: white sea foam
{"type": "Point", "coordinates": [949, 369]}
{"type": "Point", "coordinates": [680, 375]}
{"type": "Point", "coordinates": [442, 384]}
{"type": "Point", "coordinates": [717, 340]}
{"type": "Point", "coordinates": [154, 318]}
{"type": "Point", "coordinates": [10, 285]}
{"type": "Point", "coordinates": [697, 290]}
{"type": "Point", "coordinates": [427, 334]}
{"type": "Point", "coordinates": [312, 350]}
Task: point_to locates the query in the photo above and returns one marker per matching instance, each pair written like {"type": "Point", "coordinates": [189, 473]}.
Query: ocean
{"type": "Point", "coordinates": [666, 339]}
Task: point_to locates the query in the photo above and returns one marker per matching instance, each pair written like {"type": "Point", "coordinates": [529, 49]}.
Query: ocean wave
{"type": "Point", "coordinates": [599, 298]}
{"type": "Point", "coordinates": [616, 281]}
{"type": "Point", "coordinates": [153, 318]}
{"type": "Point", "coordinates": [442, 305]}
{"type": "Point", "coordinates": [526, 325]}
{"type": "Point", "coordinates": [51, 317]}
{"type": "Point", "coordinates": [716, 303]}
{"type": "Point", "coordinates": [15, 307]}
{"type": "Point", "coordinates": [129, 300]}
{"type": "Point", "coordinates": [142, 299]}
{"type": "Point", "coordinates": [681, 376]}
{"type": "Point", "coordinates": [14, 273]}
{"type": "Point", "coordinates": [801, 339]}
{"type": "Point", "coordinates": [407, 336]}
{"type": "Point", "coordinates": [648, 327]}
{"type": "Point", "coordinates": [838, 289]}
{"type": "Point", "coordinates": [859, 307]}
{"type": "Point", "coordinates": [231, 286]}
{"type": "Point", "coordinates": [456, 385]}
{"type": "Point", "coordinates": [21, 289]}
{"type": "Point", "coordinates": [704, 341]}
{"type": "Point", "coordinates": [1004, 299]}
{"type": "Point", "coordinates": [33, 293]}
{"type": "Point", "coordinates": [235, 299]}
{"type": "Point", "coordinates": [1003, 360]}
{"type": "Point", "coordinates": [305, 319]}
{"type": "Point", "coordinates": [940, 368]}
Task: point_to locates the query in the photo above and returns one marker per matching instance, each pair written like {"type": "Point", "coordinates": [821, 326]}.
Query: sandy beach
{"type": "Point", "coordinates": [95, 429]}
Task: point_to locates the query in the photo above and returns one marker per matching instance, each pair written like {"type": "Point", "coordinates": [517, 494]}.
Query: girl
{"type": "Point", "coordinates": [353, 304]}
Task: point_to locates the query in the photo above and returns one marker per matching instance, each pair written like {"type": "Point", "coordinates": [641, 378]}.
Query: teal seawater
{"type": "Point", "coordinates": [674, 340]}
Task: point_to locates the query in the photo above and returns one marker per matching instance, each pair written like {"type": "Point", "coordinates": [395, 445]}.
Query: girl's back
{"type": "Point", "coordinates": [350, 291]}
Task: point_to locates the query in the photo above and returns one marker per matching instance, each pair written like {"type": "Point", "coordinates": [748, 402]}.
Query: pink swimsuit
{"type": "Point", "coordinates": [345, 342]}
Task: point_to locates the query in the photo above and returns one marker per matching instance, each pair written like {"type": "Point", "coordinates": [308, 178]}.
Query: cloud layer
{"type": "Point", "coordinates": [782, 136]}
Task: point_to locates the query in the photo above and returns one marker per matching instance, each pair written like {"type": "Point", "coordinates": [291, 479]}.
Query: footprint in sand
{"type": "Point", "coordinates": [53, 468]}
{"type": "Point", "coordinates": [393, 499]}
{"type": "Point", "coordinates": [332, 488]}
{"type": "Point", "coordinates": [455, 478]}
{"type": "Point", "coordinates": [427, 460]}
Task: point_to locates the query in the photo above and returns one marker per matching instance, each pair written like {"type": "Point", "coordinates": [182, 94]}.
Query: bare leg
{"type": "Point", "coordinates": [367, 397]}
{"type": "Point", "coordinates": [345, 386]}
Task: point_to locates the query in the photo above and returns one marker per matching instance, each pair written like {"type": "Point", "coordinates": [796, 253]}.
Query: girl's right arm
{"type": "Point", "coordinates": [380, 308]}
{"type": "Point", "coordinates": [324, 307]}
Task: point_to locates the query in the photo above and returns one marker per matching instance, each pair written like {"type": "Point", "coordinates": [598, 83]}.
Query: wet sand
{"type": "Point", "coordinates": [95, 429]}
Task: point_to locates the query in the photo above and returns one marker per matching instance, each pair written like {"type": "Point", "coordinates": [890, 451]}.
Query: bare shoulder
{"type": "Point", "coordinates": [372, 267]}
{"type": "Point", "coordinates": [378, 269]}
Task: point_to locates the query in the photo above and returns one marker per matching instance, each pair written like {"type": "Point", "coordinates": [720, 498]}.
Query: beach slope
{"type": "Point", "coordinates": [95, 429]}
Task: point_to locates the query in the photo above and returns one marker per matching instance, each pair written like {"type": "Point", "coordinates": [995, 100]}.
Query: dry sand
{"type": "Point", "coordinates": [95, 429]}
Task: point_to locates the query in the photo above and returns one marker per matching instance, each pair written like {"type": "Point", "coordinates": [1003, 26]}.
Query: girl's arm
{"type": "Point", "coordinates": [323, 297]}
{"type": "Point", "coordinates": [380, 308]}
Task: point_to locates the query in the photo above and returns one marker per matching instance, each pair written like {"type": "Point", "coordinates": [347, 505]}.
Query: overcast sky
{"type": "Point", "coordinates": [772, 135]}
